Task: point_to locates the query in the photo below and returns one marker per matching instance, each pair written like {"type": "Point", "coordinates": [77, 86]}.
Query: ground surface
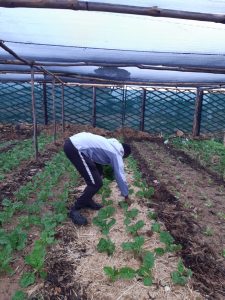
{"type": "Point", "coordinates": [189, 201]}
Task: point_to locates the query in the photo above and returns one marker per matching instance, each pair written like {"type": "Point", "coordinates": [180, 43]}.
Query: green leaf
{"type": "Point", "coordinates": [152, 215]}
{"type": "Point", "coordinates": [127, 273]}
{"type": "Point", "coordinates": [112, 273]}
{"type": "Point", "coordinates": [27, 279]}
{"type": "Point", "coordinates": [5, 259]}
{"type": "Point", "coordinates": [37, 256]}
{"type": "Point", "coordinates": [135, 246]}
{"type": "Point", "coordinates": [156, 227]}
{"type": "Point", "coordinates": [173, 247]}
{"type": "Point", "coordinates": [19, 295]}
{"type": "Point", "coordinates": [123, 205]}
{"type": "Point", "coordinates": [147, 281]}
{"type": "Point", "coordinates": [132, 213]}
{"type": "Point", "coordinates": [180, 266]}
{"type": "Point", "coordinates": [134, 228]}
{"type": "Point", "coordinates": [148, 260]}
{"type": "Point", "coordinates": [177, 278]}
{"type": "Point", "coordinates": [166, 237]}
{"type": "Point", "coordinates": [106, 245]}
{"type": "Point", "coordinates": [159, 251]}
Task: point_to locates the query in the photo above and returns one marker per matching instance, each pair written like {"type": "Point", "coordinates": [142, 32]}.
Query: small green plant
{"type": "Point", "coordinates": [159, 251]}
{"type": "Point", "coordinates": [19, 295]}
{"type": "Point", "coordinates": [146, 192]}
{"type": "Point", "coordinates": [152, 215]}
{"type": "Point", "coordinates": [36, 258]}
{"type": "Point", "coordinates": [181, 275]}
{"type": "Point", "coordinates": [166, 238]}
{"type": "Point", "coordinates": [5, 259]}
{"type": "Point", "coordinates": [101, 220]}
{"type": "Point", "coordinates": [133, 229]}
{"type": "Point", "coordinates": [155, 227]}
{"type": "Point", "coordinates": [106, 245]}
{"type": "Point", "coordinates": [145, 270]}
{"type": "Point", "coordinates": [135, 246]}
{"type": "Point", "coordinates": [28, 278]}
{"type": "Point", "coordinates": [123, 273]}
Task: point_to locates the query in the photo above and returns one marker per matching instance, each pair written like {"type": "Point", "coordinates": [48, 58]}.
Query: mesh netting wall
{"type": "Point", "coordinates": [166, 110]}
{"type": "Point", "coordinates": [213, 112]}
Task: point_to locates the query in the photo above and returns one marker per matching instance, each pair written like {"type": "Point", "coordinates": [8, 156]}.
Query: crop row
{"type": "Point", "coordinates": [105, 221]}
{"type": "Point", "coordinates": [23, 150]}
{"type": "Point", "coordinates": [27, 211]}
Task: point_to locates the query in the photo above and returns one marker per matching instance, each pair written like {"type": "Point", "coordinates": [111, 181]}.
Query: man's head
{"type": "Point", "coordinates": [127, 150]}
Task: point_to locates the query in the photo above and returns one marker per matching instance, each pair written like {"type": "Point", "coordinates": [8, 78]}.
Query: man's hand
{"type": "Point", "coordinates": [128, 200]}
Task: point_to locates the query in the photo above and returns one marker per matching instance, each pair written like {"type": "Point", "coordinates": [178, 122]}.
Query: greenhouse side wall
{"type": "Point", "coordinates": [165, 111]}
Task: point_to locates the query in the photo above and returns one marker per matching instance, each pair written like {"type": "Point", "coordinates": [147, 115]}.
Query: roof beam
{"type": "Point", "coordinates": [153, 11]}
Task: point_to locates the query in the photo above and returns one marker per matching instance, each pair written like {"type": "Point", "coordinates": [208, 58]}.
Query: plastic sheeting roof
{"type": "Point", "coordinates": [116, 48]}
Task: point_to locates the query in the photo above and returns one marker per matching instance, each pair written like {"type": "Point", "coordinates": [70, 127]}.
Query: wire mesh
{"type": "Point", "coordinates": [213, 111]}
{"type": "Point", "coordinates": [166, 109]}
{"type": "Point", "coordinates": [109, 107]}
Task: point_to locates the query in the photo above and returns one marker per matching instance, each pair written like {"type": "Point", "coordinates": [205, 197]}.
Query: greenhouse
{"type": "Point", "coordinates": [146, 77]}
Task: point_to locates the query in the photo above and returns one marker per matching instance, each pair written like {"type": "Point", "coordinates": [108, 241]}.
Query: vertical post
{"type": "Point", "coordinates": [94, 107]}
{"type": "Point", "coordinates": [53, 108]}
{"type": "Point", "coordinates": [63, 110]}
{"type": "Point", "coordinates": [45, 107]}
{"type": "Point", "coordinates": [123, 106]}
{"type": "Point", "coordinates": [34, 115]}
{"type": "Point", "coordinates": [143, 102]}
{"type": "Point", "coordinates": [198, 113]}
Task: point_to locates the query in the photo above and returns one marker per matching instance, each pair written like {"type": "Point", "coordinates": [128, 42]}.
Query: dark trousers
{"type": "Point", "coordinates": [89, 170]}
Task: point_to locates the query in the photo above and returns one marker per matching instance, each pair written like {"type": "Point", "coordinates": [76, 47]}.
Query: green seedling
{"type": "Point", "coordinates": [155, 227]}
{"type": "Point", "coordinates": [27, 279]}
{"type": "Point", "coordinates": [112, 273]}
{"type": "Point", "coordinates": [133, 229]}
{"type": "Point", "coordinates": [159, 251]}
{"type": "Point", "coordinates": [101, 219]}
{"type": "Point", "coordinates": [16, 239]}
{"type": "Point", "coordinates": [123, 205]}
{"type": "Point", "coordinates": [123, 273]}
{"type": "Point", "coordinates": [182, 274]}
{"type": "Point", "coordinates": [104, 224]}
{"type": "Point", "coordinates": [19, 295]}
{"type": "Point", "coordinates": [36, 258]}
{"type": "Point", "coordinates": [129, 215]}
{"type": "Point", "coordinates": [168, 240]}
{"type": "Point", "coordinates": [145, 270]}
{"type": "Point", "coordinates": [5, 259]}
{"type": "Point", "coordinates": [127, 273]}
{"type": "Point", "coordinates": [135, 246]}
{"type": "Point", "coordinates": [106, 245]}
{"type": "Point", "coordinates": [152, 215]}
{"type": "Point", "coordinates": [146, 192]}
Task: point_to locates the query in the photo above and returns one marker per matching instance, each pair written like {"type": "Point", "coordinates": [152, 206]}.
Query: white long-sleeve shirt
{"type": "Point", "coordinates": [105, 152]}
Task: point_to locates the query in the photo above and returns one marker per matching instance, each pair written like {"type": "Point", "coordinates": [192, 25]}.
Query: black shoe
{"type": "Point", "coordinates": [93, 205]}
{"type": "Point", "coordinates": [77, 218]}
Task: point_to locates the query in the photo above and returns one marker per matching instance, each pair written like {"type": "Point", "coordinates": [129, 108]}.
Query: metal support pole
{"type": "Point", "coordinates": [63, 110]}
{"type": "Point", "coordinates": [142, 121]}
{"type": "Point", "coordinates": [45, 105]}
{"type": "Point", "coordinates": [94, 107]}
{"type": "Point", "coordinates": [123, 106]}
{"type": "Point", "coordinates": [34, 115]}
{"type": "Point", "coordinates": [198, 113]}
{"type": "Point", "coordinates": [53, 107]}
